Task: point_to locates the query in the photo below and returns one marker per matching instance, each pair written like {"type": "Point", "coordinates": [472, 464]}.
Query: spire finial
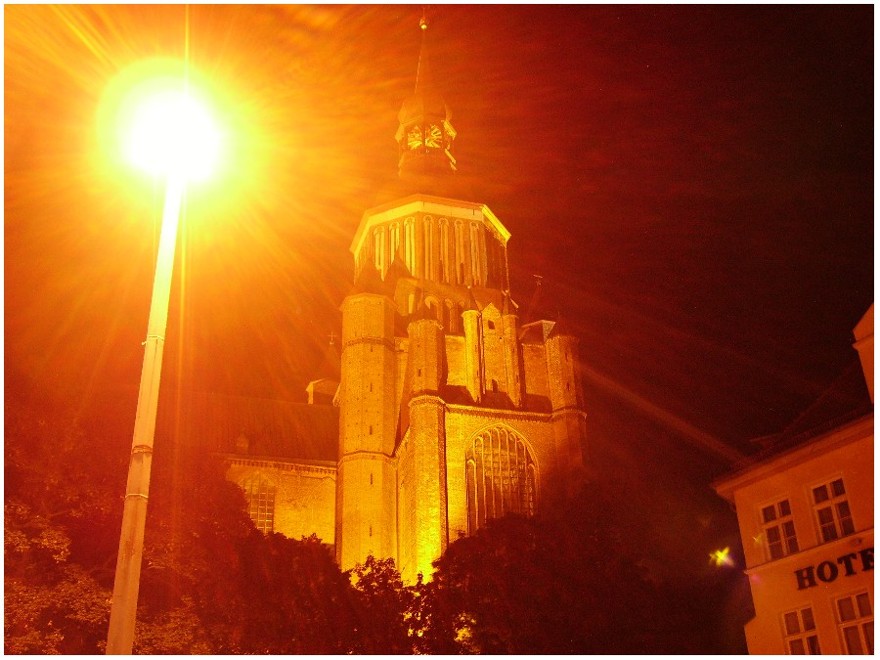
{"type": "Point", "coordinates": [423, 76]}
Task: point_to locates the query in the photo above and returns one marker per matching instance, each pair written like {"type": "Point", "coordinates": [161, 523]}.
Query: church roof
{"type": "Point", "coordinates": [537, 332]}
{"type": "Point", "coordinates": [495, 401]}
{"type": "Point", "coordinates": [273, 428]}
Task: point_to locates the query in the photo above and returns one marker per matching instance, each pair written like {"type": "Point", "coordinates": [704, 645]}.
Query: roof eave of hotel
{"type": "Point", "coordinates": [856, 430]}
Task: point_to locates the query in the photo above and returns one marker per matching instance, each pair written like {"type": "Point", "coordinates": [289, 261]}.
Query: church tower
{"type": "Point", "coordinates": [451, 411]}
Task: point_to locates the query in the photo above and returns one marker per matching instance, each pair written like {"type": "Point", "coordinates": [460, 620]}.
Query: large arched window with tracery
{"type": "Point", "coordinates": [501, 477]}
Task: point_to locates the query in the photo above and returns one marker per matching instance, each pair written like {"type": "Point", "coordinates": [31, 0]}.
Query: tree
{"type": "Point", "coordinates": [385, 608]}
{"type": "Point", "coordinates": [562, 582]}
{"type": "Point", "coordinates": [56, 487]}
{"type": "Point", "coordinates": [210, 581]}
{"type": "Point", "coordinates": [213, 583]}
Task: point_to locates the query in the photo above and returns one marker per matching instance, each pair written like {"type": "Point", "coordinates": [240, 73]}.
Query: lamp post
{"type": "Point", "coordinates": [171, 134]}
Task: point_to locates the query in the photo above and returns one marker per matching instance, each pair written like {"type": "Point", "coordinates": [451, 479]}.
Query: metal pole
{"type": "Point", "coordinates": [123, 606]}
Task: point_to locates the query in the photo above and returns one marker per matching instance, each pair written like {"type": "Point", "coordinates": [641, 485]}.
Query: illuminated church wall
{"type": "Point", "coordinates": [445, 394]}
{"type": "Point", "coordinates": [293, 499]}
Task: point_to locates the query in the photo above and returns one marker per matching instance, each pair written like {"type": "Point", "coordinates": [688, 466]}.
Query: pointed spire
{"type": "Point", "coordinates": [508, 307]}
{"type": "Point", "coordinates": [471, 302]}
{"type": "Point", "coordinates": [397, 270]}
{"type": "Point", "coordinates": [368, 281]}
{"type": "Point", "coordinates": [423, 71]}
{"type": "Point", "coordinates": [425, 134]}
{"type": "Point", "coordinates": [533, 303]}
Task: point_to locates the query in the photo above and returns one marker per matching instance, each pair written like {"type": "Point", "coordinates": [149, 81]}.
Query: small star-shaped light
{"type": "Point", "coordinates": [721, 557]}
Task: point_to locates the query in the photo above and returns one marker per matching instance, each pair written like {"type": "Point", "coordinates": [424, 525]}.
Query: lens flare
{"type": "Point", "coordinates": [171, 132]}
{"type": "Point", "coordinates": [721, 557]}
{"type": "Point", "coordinates": [154, 117]}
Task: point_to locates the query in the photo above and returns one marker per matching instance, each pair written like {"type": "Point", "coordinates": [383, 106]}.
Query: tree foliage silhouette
{"type": "Point", "coordinates": [570, 580]}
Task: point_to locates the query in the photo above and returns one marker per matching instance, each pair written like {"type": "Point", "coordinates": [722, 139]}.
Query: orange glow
{"type": "Point", "coordinates": [171, 131]}
{"type": "Point", "coordinates": [721, 557]}
{"type": "Point", "coordinates": [152, 117]}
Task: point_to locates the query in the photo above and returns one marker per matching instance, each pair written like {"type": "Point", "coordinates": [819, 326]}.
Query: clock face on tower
{"type": "Point", "coordinates": [433, 137]}
{"type": "Point", "coordinates": [414, 137]}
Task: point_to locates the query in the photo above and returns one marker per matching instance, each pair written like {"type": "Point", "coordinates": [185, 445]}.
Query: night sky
{"type": "Point", "coordinates": [693, 184]}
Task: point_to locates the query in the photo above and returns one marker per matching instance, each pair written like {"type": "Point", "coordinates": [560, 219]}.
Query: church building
{"type": "Point", "coordinates": [439, 408]}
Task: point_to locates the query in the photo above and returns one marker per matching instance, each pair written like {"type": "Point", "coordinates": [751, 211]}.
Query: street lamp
{"type": "Point", "coordinates": [168, 132]}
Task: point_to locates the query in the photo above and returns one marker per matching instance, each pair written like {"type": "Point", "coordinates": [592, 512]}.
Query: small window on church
{"type": "Point", "coordinates": [260, 495]}
{"type": "Point", "coordinates": [491, 325]}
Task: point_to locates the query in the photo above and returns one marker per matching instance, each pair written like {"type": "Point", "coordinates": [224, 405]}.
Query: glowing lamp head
{"type": "Point", "coordinates": [170, 132]}
{"type": "Point", "coordinates": [153, 116]}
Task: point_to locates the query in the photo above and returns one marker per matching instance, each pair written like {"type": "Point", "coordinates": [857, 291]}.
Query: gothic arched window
{"type": "Point", "coordinates": [501, 477]}
{"type": "Point", "coordinates": [379, 249]}
{"type": "Point", "coordinates": [445, 260]}
{"type": "Point", "coordinates": [395, 241]}
{"type": "Point", "coordinates": [429, 248]}
{"type": "Point", "coordinates": [459, 252]}
{"type": "Point", "coordinates": [260, 495]}
{"type": "Point", "coordinates": [409, 244]}
{"type": "Point", "coordinates": [476, 271]}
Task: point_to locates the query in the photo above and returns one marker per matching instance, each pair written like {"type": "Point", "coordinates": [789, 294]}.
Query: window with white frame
{"type": "Point", "coordinates": [779, 532]}
{"type": "Point", "coordinates": [856, 619]}
{"type": "Point", "coordinates": [260, 495]}
{"type": "Point", "coordinates": [832, 510]}
{"type": "Point", "coordinates": [801, 637]}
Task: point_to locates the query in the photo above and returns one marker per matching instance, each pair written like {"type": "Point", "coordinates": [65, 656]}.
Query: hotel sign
{"type": "Point", "coordinates": [829, 571]}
